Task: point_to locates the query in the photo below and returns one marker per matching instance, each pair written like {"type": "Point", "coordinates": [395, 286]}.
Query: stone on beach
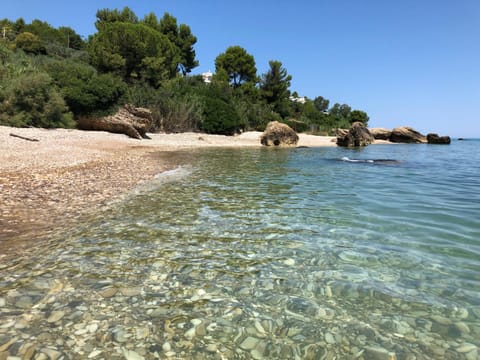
{"type": "Point", "coordinates": [358, 135]}
{"type": "Point", "coordinates": [406, 134]}
{"type": "Point", "coordinates": [279, 134]}
{"type": "Point", "coordinates": [129, 120]}
{"type": "Point", "coordinates": [380, 133]}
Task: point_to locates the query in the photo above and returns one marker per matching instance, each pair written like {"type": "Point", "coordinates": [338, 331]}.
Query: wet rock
{"type": "Point", "coordinates": [6, 343]}
{"type": "Point", "coordinates": [435, 139]}
{"type": "Point", "coordinates": [55, 316]}
{"type": "Point", "coordinates": [109, 292]}
{"type": "Point", "coordinates": [329, 338]}
{"type": "Point", "coordinates": [466, 348]}
{"type": "Point", "coordinates": [131, 355]}
{"type": "Point", "coordinates": [358, 135]}
{"type": "Point", "coordinates": [51, 353]}
{"type": "Point", "coordinates": [249, 343]}
{"type": "Point", "coordinates": [378, 353]}
{"type": "Point", "coordinates": [24, 302]}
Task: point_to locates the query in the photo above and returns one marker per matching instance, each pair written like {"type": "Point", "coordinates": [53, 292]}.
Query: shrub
{"type": "Point", "coordinates": [85, 91]}
{"type": "Point", "coordinates": [220, 117]}
{"type": "Point", "coordinates": [32, 100]}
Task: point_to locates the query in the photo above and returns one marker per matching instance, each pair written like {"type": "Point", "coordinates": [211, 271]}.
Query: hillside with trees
{"type": "Point", "coordinates": [51, 77]}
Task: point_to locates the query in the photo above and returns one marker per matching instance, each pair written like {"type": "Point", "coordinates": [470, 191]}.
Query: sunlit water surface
{"type": "Point", "coordinates": [267, 253]}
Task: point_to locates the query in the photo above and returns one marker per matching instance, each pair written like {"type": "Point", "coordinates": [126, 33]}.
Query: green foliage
{"type": "Point", "coordinates": [275, 85]}
{"type": "Point", "coordinates": [133, 51]}
{"type": "Point", "coordinates": [220, 117]}
{"type": "Point", "coordinates": [108, 16]}
{"type": "Point", "coordinates": [32, 100]}
{"type": "Point", "coordinates": [321, 104]}
{"type": "Point", "coordinates": [85, 91]}
{"type": "Point", "coordinates": [43, 70]}
{"type": "Point", "coordinates": [238, 64]}
{"type": "Point", "coordinates": [30, 43]}
{"type": "Point", "coordinates": [358, 115]}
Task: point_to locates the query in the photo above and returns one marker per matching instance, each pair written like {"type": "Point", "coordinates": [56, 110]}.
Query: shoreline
{"type": "Point", "coordinates": [67, 174]}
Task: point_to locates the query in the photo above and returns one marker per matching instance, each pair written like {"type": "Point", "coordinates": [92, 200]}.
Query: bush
{"type": "Point", "coordinates": [220, 117]}
{"type": "Point", "coordinates": [178, 114]}
{"type": "Point", "coordinates": [86, 92]}
{"type": "Point", "coordinates": [32, 100]}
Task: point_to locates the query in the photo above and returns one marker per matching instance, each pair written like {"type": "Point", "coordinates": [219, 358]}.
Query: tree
{"type": "Point", "coordinates": [321, 103]}
{"type": "Point", "coordinates": [108, 16]}
{"type": "Point", "coordinates": [181, 36]}
{"type": "Point", "coordinates": [275, 84]}
{"type": "Point", "coordinates": [358, 115]}
{"type": "Point", "coordinates": [340, 111]}
{"type": "Point", "coordinates": [70, 38]}
{"type": "Point", "coordinates": [30, 43]}
{"type": "Point", "coordinates": [186, 42]}
{"type": "Point", "coordinates": [134, 51]}
{"type": "Point", "coordinates": [239, 65]}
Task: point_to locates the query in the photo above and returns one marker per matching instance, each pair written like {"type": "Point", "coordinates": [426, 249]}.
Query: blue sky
{"type": "Point", "coordinates": [404, 62]}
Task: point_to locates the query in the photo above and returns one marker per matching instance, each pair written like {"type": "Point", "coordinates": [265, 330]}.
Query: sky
{"type": "Point", "coordinates": [405, 62]}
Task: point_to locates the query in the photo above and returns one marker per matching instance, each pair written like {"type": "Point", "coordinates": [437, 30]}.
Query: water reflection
{"type": "Point", "coordinates": [242, 254]}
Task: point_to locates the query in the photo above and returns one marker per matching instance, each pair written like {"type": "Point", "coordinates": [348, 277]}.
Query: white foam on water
{"type": "Point", "coordinates": [165, 177]}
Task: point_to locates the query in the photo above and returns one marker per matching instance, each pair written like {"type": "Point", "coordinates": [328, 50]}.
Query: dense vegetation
{"type": "Point", "coordinates": [51, 77]}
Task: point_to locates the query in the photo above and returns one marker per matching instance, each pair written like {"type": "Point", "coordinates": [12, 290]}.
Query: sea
{"type": "Point", "coordinates": [264, 253]}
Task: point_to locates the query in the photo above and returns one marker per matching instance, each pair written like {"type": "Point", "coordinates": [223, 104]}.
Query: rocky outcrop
{"type": "Point", "coordinates": [358, 135]}
{"type": "Point", "coordinates": [380, 133]}
{"type": "Point", "coordinates": [435, 139]}
{"type": "Point", "coordinates": [129, 120]}
{"type": "Point", "coordinates": [405, 134]}
{"type": "Point", "coordinates": [278, 134]}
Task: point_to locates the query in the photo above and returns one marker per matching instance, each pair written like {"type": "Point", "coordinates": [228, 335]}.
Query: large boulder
{"type": "Point", "coordinates": [358, 135]}
{"type": "Point", "coordinates": [435, 139]}
{"type": "Point", "coordinates": [405, 134]}
{"type": "Point", "coordinates": [129, 120]}
{"type": "Point", "coordinates": [380, 133]}
{"type": "Point", "coordinates": [278, 134]}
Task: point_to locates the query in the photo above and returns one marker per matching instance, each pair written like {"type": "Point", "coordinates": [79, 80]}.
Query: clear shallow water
{"type": "Point", "coordinates": [267, 253]}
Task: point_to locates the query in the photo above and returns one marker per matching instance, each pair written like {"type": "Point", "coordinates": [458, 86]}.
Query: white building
{"type": "Point", "coordinates": [301, 100]}
{"type": "Point", "coordinates": [207, 77]}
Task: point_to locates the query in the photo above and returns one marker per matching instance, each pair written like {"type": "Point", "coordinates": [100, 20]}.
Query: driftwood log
{"type": "Point", "coordinates": [23, 137]}
{"type": "Point", "coordinates": [129, 120]}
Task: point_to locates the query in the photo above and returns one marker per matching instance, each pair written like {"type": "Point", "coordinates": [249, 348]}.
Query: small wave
{"type": "Point", "coordinates": [371, 161]}
{"type": "Point", "coordinates": [164, 177]}
{"type": "Point", "coordinates": [172, 175]}
{"type": "Point", "coordinates": [356, 160]}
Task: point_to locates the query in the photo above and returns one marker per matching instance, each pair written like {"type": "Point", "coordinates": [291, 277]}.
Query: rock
{"type": "Point", "coordinates": [358, 135]}
{"type": "Point", "coordinates": [405, 134]}
{"type": "Point", "coordinates": [378, 353]}
{"type": "Point", "coordinates": [435, 139]}
{"type": "Point", "coordinates": [278, 134]}
{"type": "Point", "coordinates": [55, 316]}
{"type": "Point", "coordinates": [24, 302]}
{"type": "Point", "coordinates": [129, 120]}
{"type": "Point", "coordinates": [108, 293]}
{"type": "Point", "coordinates": [380, 133]}
{"type": "Point", "coordinates": [131, 355]}
{"type": "Point", "coordinates": [466, 348]}
{"type": "Point", "coordinates": [51, 353]}
{"type": "Point", "coordinates": [249, 343]}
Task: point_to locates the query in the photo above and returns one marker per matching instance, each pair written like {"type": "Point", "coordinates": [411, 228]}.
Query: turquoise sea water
{"type": "Point", "coordinates": [268, 253]}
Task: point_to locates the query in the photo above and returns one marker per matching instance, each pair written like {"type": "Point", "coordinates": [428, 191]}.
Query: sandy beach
{"type": "Point", "coordinates": [66, 174]}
